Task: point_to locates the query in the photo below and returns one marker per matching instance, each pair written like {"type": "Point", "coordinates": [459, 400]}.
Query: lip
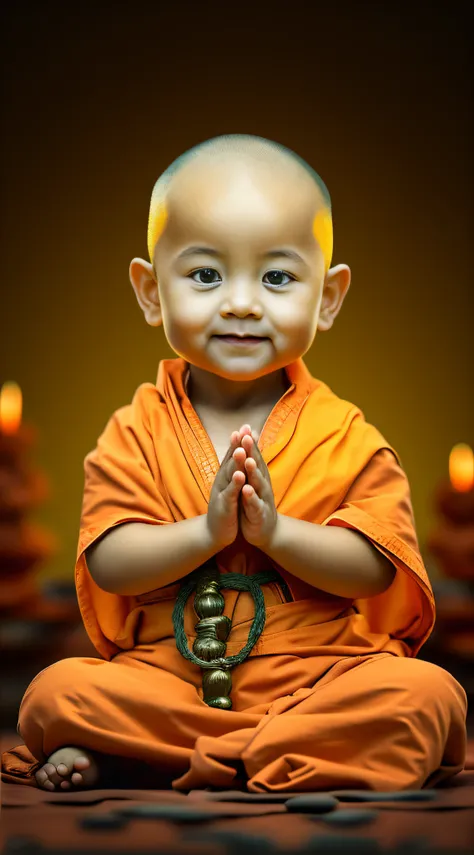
{"type": "Point", "coordinates": [241, 341]}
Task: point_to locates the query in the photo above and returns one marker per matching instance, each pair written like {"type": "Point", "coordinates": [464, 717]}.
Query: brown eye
{"type": "Point", "coordinates": [275, 276]}
{"type": "Point", "coordinates": [206, 273]}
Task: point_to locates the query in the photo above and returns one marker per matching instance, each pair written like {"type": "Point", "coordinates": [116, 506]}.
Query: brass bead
{"type": "Point", "coordinates": [218, 626]}
{"type": "Point", "coordinates": [209, 648]}
{"type": "Point", "coordinates": [208, 577]}
{"type": "Point", "coordinates": [215, 683]}
{"type": "Point", "coordinates": [220, 703]}
{"type": "Point", "coordinates": [207, 586]}
{"type": "Point", "coordinates": [209, 605]}
{"type": "Point", "coordinates": [212, 630]}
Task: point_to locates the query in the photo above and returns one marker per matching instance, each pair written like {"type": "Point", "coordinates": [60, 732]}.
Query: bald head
{"type": "Point", "coordinates": [267, 170]}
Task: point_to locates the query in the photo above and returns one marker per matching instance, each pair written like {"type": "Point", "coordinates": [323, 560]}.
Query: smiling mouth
{"type": "Point", "coordinates": [241, 340]}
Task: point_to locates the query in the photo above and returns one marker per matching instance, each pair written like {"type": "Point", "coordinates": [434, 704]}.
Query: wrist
{"type": "Point", "coordinates": [213, 541]}
{"type": "Point", "coordinates": [272, 544]}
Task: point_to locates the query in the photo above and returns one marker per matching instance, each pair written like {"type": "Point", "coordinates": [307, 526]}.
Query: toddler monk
{"type": "Point", "coordinates": [248, 567]}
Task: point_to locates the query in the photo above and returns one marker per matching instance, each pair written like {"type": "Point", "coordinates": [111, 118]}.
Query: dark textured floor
{"type": "Point", "coordinates": [35, 822]}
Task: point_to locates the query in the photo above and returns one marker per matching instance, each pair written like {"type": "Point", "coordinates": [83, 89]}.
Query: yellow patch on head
{"type": "Point", "coordinates": [323, 233]}
{"type": "Point", "coordinates": [156, 224]}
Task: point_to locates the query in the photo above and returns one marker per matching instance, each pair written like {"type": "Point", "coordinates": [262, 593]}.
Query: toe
{"type": "Point", "coordinates": [62, 769]}
{"type": "Point", "coordinates": [49, 768]}
{"type": "Point", "coordinates": [85, 766]}
{"type": "Point", "coordinates": [41, 776]}
{"type": "Point", "coordinates": [52, 773]}
{"type": "Point", "coordinates": [81, 763]}
{"type": "Point", "coordinates": [71, 766]}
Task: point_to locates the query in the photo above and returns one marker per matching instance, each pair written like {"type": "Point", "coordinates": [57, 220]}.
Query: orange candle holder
{"type": "Point", "coordinates": [452, 541]}
{"type": "Point", "coordinates": [452, 546]}
{"type": "Point", "coordinates": [24, 545]}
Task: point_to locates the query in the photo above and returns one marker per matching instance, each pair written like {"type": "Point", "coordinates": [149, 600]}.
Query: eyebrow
{"type": "Point", "coordinates": [273, 253]}
{"type": "Point", "coordinates": [198, 250]}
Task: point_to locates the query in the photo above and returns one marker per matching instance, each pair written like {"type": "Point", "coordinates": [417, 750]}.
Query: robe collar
{"type": "Point", "coordinates": [279, 426]}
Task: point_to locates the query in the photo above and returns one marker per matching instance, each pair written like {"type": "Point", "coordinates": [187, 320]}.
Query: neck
{"type": "Point", "coordinates": [207, 390]}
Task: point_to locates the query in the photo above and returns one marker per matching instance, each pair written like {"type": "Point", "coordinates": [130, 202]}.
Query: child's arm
{"type": "Point", "coordinates": [337, 560]}
{"type": "Point", "coordinates": [334, 558]}
{"type": "Point", "coordinates": [134, 558]}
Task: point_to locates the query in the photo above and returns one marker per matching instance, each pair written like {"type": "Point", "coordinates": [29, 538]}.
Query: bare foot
{"type": "Point", "coordinates": [68, 768]}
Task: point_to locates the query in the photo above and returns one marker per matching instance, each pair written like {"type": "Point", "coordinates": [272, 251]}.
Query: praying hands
{"type": "Point", "coordinates": [257, 512]}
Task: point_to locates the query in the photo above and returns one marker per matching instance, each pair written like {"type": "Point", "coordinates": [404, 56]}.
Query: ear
{"type": "Point", "coordinates": [336, 286]}
{"type": "Point", "coordinates": [144, 284]}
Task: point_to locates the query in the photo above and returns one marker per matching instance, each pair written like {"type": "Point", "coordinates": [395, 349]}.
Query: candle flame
{"type": "Point", "coordinates": [10, 407]}
{"type": "Point", "coordinates": [461, 467]}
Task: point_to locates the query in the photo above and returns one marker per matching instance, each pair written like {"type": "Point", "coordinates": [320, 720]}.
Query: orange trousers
{"type": "Point", "coordinates": [376, 722]}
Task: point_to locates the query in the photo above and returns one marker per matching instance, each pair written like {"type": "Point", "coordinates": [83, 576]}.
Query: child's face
{"type": "Point", "coordinates": [240, 281]}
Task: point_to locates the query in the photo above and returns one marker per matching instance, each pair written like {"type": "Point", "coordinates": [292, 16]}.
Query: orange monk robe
{"type": "Point", "coordinates": [332, 694]}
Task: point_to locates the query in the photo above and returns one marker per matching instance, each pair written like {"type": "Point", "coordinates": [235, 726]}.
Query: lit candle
{"type": "Point", "coordinates": [461, 468]}
{"type": "Point", "coordinates": [10, 408]}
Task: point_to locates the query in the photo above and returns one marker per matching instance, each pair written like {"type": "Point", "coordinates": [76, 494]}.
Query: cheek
{"type": "Point", "coordinates": [297, 313]}
{"type": "Point", "coordinates": [185, 312]}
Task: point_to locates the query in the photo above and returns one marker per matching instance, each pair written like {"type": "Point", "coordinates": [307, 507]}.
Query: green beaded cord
{"type": "Point", "coordinates": [213, 628]}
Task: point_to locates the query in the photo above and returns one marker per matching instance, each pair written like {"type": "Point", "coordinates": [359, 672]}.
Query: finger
{"type": "Point", "coordinates": [248, 442]}
{"type": "Point", "coordinates": [254, 476]}
{"type": "Point", "coordinates": [233, 488]}
{"type": "Point", "coordinates": [224, 473]}
{"type": "Point", "coordinates": [234, 442]}
{"type": "Point", "coordinates": [238, 478]}
{"type": "Point", "coordinates": [245, 430]}
{"type": "Point", "coordinates": [237, 461]}
{"type": "Point", "coordinates": [252, 503]}
{"type": "Point", "coordinates": [229, 470]}
{"type": "Point", "coordinates": [239, 456]}
{"type": "Point", "coordinates": [252, 450]}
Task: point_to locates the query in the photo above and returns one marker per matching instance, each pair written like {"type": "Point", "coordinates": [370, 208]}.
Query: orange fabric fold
{"type": "Point", "coordinates": [155, 463]}
{"type": "Point", "coordinates": [315, 722]}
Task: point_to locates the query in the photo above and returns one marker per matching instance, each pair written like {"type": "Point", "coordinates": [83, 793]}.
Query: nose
{"type": "Point", "coordinates": [241, 299]}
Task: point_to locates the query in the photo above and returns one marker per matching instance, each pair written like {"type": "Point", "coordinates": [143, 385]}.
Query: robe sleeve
{"type": "Point", "coordinates": [122, 484]}
{"type": "Point", "coordinates": [121, 475]}
{"type": "Point", "coordinates": [378, 505]}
